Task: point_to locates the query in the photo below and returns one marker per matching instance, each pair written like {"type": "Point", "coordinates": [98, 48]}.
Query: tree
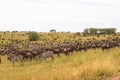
{"type": "Point", "coordinates": [52, 30]}
{"type": "Point", "coordinates": [92, 31]}
{"type": "Point", "coordinates": [33, 36]}
{"type": "Point", "coordinates": [86, 31]}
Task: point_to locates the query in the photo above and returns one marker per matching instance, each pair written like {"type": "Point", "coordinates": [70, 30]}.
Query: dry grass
{"type": "Point", "coordinates": [90, 65]}
{"type": "Point", "coordinates": [57, 37]}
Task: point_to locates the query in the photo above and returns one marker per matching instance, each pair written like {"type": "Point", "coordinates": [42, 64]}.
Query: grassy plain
{"type": "Point", "coordinates": [90, 65]}
{"type": "Point", "coordinates": [8, 37]}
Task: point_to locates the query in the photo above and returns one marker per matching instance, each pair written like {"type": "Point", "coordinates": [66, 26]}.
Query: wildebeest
{"type": "Point", "coordinates": [46, 50]}
{"type": "Point", "coordinates": [46, 55]}
{"type": "Point", "coordinates": [27, 54]}
{"type": "Point", "coordinates": [15, 57]}
{"type": "Point", "coordinates": [57, 51]}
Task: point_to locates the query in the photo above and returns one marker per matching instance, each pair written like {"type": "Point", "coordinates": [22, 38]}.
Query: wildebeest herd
{"type": "Point", "coordinates": [39, 51]}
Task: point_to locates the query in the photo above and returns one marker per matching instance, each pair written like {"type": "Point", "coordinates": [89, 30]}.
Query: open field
{"type": "Point", "coordinates": [90, 65]}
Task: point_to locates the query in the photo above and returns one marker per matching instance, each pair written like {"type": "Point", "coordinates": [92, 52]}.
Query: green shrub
{"type": "Point", "coordinates": [33, 36]}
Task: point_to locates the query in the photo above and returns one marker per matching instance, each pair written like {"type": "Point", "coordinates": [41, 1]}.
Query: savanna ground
{"type": "Point", "coordinates": [90, 65]}
{"type": "Point", "coordinates": [8, 37]}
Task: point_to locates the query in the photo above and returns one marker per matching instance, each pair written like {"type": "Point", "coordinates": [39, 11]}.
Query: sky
{"type": "Point", "coordinates": [62, 15]}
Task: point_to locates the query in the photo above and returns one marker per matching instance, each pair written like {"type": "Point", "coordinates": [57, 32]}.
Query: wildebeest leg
{"type": "Point", "coordinates": [58, 54]}
{"type": "Point", "coordinates": [52, 58]}
{"type": "Point", "coordinates": [102, 49]}
{"type": "Point", "coordinates": [0, 59]}
{"type": "Point", "coordinates": [24, 58]}
{"type": "Point", "coordinates": [13, 63]}
{"type": "Point", "coordinates": [21, 62]}
{"type": "Point", "coordinates": [30, 58]}
{"type": "Point", "coordinates": [40, 60]}
{"type": "Point", "coordinates": [67, 53]}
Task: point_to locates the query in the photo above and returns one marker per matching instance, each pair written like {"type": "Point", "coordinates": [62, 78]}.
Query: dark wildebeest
{"type": "Point", "coordinates": [57, 51]}
{"type": "Point", "coordinates": [27, 54]}
{"type": "Point", "coordinates": [15, 57]}
{"type": "Point", "coordinates": [46, 55]}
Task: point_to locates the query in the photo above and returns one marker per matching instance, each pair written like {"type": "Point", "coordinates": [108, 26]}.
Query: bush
{"type": "Point", "coordinates": [33, 36]}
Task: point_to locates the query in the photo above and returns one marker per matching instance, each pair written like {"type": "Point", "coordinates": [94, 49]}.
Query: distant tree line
{"type": "Point", "coordinates": [93, 31]}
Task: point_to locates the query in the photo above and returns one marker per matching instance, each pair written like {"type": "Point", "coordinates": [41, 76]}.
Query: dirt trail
{"type": "Point", "coordinates": [114, 77]}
